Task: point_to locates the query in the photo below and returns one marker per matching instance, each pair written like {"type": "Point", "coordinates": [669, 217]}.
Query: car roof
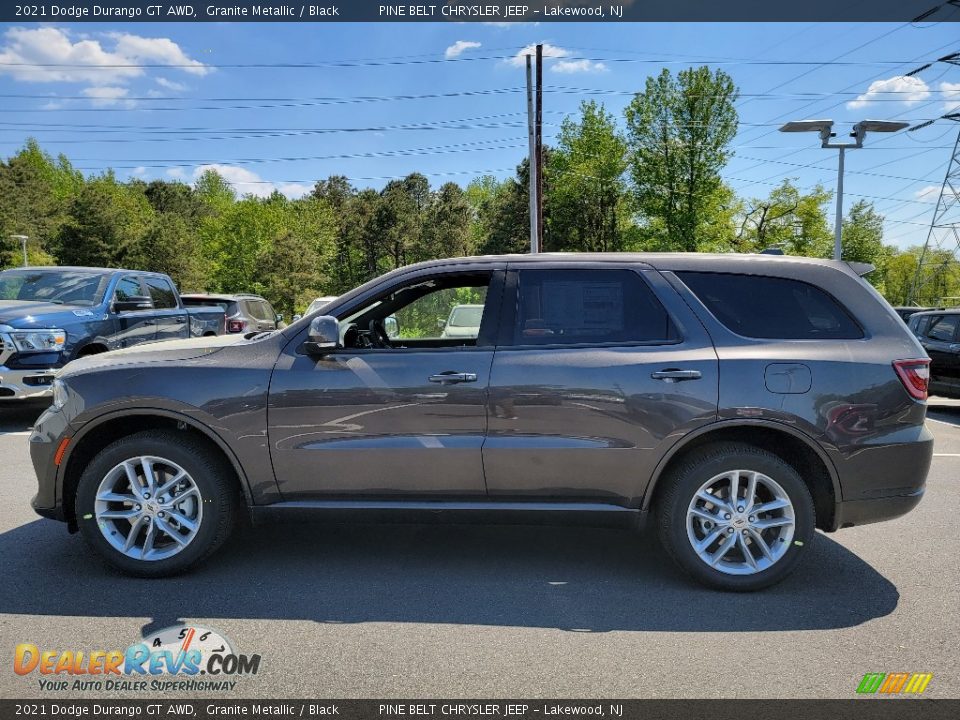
{"type": "Point", "coordinates": [91, 270]}
{"type": "Point", "coordinates": [693, 261]}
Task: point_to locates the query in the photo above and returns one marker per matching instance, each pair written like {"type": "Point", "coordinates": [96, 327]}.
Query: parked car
{"type": "Point", "coordinates": [939, 333]}
{"type": "Point", "coordinates": [316, 305]}
{"type": "Point", "coordinates": [463, 322]}
{"type": "Point", "coordinates": [906, 313]}
{"type": "Point", "coordinates": [245, 312]}
{"type": "Point", "coordinates": [52, 315]}
{"type": "Point", "coordinates": [651, 386]}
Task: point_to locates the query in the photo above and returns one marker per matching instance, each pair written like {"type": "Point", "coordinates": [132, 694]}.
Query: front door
{"type": "Point", "coordinates": [592, 377]}
{"type": "Point", "coordinates": [392, 414]}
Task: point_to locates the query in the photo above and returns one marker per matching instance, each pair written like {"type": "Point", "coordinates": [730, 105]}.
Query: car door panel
{"type": "Point", "coordinates": [591, 422]}
{"type": "Point", "coordinates": [135, 326]}
{"type": "Point", "coordinates": [381, 422]}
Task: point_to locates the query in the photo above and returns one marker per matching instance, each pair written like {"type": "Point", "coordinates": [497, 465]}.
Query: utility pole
{"type": "Point", "coordinates": [531, 162]}
{"type": "Point", "coordinates": [23, 242]}
{"type": "Point", "coordinates": [539, 147]}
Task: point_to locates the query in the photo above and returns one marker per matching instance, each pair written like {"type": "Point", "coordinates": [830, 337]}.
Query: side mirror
{"type": "Point", "coordinates": [133, 304]}
{"type": "Point", "coordinates": [441, 324]}
{"type": "Point", "coordinates": [279, 317]}
{"type": "Point", "coordinates": [296, 317]}
{"type": "Point", "coordinates": [324, 335]}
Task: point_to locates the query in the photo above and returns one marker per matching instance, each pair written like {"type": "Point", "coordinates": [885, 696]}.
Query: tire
{"type": "Point", "coordinates": [200, 509]}
{"type": "Point", "coordinates": [783, 531]}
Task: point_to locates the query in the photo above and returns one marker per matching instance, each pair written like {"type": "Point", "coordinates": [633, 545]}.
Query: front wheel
{"type": "Point", "coordinates": [155, 503]}
{"type": "Point", "coordinates": [735, 517]}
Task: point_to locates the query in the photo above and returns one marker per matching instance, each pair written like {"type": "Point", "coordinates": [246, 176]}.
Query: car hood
{"type": "Point", "coordinates": [166, 351]}
{"type": "Point", "coordinates": [28, 314]}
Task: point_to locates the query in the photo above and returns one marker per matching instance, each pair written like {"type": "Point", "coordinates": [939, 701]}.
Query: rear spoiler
{"type": "Point", "coordinates": [862, 269]}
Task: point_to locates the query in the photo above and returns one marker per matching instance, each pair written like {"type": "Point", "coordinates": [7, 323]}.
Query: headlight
{"type": "Point", "coordinates": [59, 394]}
{"type": "Point", "coordinates": [39, 340]}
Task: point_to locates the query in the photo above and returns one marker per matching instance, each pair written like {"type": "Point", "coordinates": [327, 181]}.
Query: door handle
{"type": "Point", "coordinates": [675, 375]}
{"type": "Point", "coordinates": [452, 377]}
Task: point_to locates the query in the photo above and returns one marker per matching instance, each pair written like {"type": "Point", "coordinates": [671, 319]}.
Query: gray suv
{"type": "Point", "coordinates": [738, 401]}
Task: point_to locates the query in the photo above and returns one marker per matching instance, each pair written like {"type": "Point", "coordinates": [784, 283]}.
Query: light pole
{"type": "Point", "coordinates": [23, 242]}
{"type": "Point", "coordinates": [825, 129]}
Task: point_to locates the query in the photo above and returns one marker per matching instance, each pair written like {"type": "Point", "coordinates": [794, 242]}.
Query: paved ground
{"type": "Point", "coordinates": [451, 611]}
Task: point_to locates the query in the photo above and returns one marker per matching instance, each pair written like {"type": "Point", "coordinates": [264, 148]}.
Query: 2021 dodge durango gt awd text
{"type": "Point", "coordinates": [738, 401]}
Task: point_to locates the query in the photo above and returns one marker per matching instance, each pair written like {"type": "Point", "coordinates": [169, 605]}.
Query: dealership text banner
{"type": "Point", "coordinates": [500, 12]}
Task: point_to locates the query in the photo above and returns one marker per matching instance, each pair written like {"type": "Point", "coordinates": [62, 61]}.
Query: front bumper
{"type": "Point", "coordinates": [21, 384]}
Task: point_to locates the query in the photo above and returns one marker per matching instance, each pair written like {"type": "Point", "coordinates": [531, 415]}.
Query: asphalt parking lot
{"type": "Point", "coordinates": [479, 611]}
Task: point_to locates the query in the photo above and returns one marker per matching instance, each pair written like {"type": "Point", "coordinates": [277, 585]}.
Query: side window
{"type": "Point", "coordinates": [161, 292]}
{"type": "Point", "coordinates": [758, 306]}
{"type": "Point", "coordinates": [443, 314]}
{"type": "Point", "coordinates": [588, 306]}
{"type": "Point", "coordinates": [127, 288]}
{"type": "Point", "coordinates": [437, 312]}
{"type": "Point", "coordinates": [262, 308]}
{"type": "Point", "coordinates": [943, 328]}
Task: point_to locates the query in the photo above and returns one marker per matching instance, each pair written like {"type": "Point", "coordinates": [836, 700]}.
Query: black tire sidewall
{"type": "Point", "coordinates": [206, 472]}
{"type": "Point", "coordinates": [713, 461]}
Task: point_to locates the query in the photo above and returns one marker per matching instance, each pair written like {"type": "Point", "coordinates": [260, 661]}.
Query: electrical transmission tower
{"type": "Point", "coordinates": [940, 258]}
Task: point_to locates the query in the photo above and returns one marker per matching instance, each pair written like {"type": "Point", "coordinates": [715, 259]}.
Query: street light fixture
{"type": "Point", "coordinates": [824, 128]}
{"type": "Point", "coordinates": [23, 242]}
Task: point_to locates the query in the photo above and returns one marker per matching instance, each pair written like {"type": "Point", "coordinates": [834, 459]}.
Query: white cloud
{"type": "Point", "coordinates": [247, 182]}
{"type": "Point", "coordinates": [930, 191]}
{"type": "Point", "coordinates": [951, 96]}
{"type": "Point", "coordinates": [139, 171]}
{"type": "Point", "coordinates": [549, 51]}
{"type": "Point", "coordinates": [901, 88]}
{"type": "Point", "coordinates": [170, 84]}
{"type": "Point", "coordinates": [176, 173]}
{"type": "Point", "coordinates": [157, 51]}
{"type": "Point", "coordinates": [49, 54]}
{"type": "Point", "coordinates": [459, 47]}
{"type": "Point", "coordinates": [578, 66]}
{"type": "Point", "coordinates": [109, 95]}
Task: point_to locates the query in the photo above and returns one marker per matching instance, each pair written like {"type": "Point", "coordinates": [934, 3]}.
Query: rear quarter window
{"type": "Point", "coordinates": [759, 306]}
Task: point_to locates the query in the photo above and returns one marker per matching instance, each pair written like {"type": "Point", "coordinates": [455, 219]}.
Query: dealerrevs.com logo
{"type": "Point", "coordinates": [171, 659]}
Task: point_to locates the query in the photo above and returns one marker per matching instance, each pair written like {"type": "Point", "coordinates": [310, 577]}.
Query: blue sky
{"type": "Point", "coordinates": [161, 104]}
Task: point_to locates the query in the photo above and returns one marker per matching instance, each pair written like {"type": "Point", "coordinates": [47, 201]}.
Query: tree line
{"type": "Point", "coordinates": [650, 180]}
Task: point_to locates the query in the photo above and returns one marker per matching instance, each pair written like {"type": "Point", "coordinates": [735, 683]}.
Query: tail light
{"type": "Point", "coordinates": [236, 326]}
{"type": "Point", "coordinates": [915, 376]}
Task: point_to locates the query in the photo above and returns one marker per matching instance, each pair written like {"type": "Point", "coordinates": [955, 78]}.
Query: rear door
{"type": "Point", "coordinates": [597, 370]}
{"type": "Point", "coordinates": [170, 317]}
{"type": "Point", "coordinates": [133, 326]}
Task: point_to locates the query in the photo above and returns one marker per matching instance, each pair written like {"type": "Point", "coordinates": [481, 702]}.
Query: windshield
{"type": "Point", "coordinates": [466, 316]}
{"type": "Point", "coordinates": [64, 287]}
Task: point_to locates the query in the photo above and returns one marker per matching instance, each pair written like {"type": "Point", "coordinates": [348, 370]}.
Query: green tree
{"type": "Point", "coordinates": [447, 229]}
{"type": "Point", "coordinates": [105, 221]}
{"type": "Point", "coordinates": [786, 218]}
{"type": "Point", "coordinates": [588, 187]}
{"type": "Point", "coordinates": [35, 191]}
{"type": "Point", "coordinates": [678, 132]}
{"type": "Point", "coordinates": [170, 245]}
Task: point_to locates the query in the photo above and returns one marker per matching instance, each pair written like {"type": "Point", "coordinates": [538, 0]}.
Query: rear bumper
{"type": "Point", "coordinates": [883, 482]}
{"type": "Point", "coordinates": [23, 384]}
{"type": "Point", "coordinates": [864, 512]}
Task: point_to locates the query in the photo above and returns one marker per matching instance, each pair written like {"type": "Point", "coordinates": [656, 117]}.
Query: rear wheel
{"type": "Point", "coordinates": [156, 503]}
{"type": "Point", "coordinates": [735, 517]}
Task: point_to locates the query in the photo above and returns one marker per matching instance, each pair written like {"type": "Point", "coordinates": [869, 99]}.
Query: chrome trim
{"type": "Point", "coordinates": [14, 380]}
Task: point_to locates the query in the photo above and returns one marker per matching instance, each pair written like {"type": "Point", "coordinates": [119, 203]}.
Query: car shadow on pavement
{"type": "Point", "coordinates": [571, 578]}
